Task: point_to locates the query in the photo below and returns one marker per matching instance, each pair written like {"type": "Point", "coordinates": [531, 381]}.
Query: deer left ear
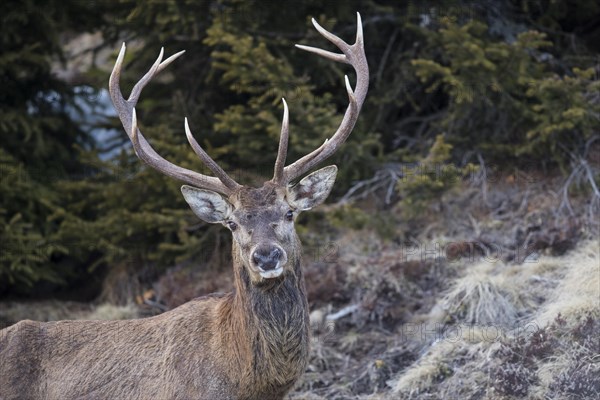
{"type": "Point", "coordinates": [313, 189]}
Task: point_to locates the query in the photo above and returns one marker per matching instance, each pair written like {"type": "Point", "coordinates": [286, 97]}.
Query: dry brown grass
{"type": "Point", "coordinates": [483, 297]}
{"type": "Point", "coordinates": [551, 351]}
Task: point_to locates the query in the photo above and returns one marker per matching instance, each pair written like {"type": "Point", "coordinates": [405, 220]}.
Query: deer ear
{"type": "Point", "coordinates": [313, 189]}
{"type": "Point", "coordinates": [207, 205]}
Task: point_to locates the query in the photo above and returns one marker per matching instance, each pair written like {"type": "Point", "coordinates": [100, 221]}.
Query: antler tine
{"type": "Point", "coordinates": [324, 53]}
{"type": "Point", "coordinates": [359, 30]}
{"type": "Point", "coordinates": [126, 112]}
{"type": "Point", "coordinates": [157, 67]}
{"type": "Point", "coordinates": [330, 36]}
{"type": "Point", "coordinates": [147, 154]}
{"type": "Point", "coordinates": [355, 56]}
{"type": "Point", "coordinates": [206, 159]}
{"type": "Point", "coordinates": [283, 145]}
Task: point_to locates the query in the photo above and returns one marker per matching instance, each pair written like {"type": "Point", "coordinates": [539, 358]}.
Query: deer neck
{"type": "Point", "coordinates": [275, 305]}
{"type": "Point", "coordinates": [272, 321]}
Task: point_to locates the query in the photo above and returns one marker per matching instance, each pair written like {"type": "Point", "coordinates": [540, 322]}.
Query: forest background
{"type": "Point", "coordinates": [507, 88]}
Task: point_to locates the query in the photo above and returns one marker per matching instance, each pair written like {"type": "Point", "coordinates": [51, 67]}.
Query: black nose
{"type": "Point", "coordinates": [266, 257]}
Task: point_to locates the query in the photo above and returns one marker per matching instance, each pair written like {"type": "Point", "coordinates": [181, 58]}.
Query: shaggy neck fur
{"type": "Point", "coordinates": [269, 324]}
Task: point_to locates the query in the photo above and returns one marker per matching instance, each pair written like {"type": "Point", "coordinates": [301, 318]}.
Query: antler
{"type": "Point", "coordinates": [222, 183]}
{"type": "Point", "coordinates": [353, 55]}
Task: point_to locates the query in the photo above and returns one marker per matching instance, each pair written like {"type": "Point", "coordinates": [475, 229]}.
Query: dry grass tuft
{"type": "Point", "coordinates": [578, 291]}
{"type": "Point", "coordinates": [483, 297]}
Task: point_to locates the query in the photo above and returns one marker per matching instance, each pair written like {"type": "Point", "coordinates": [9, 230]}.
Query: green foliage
{"type": "Point", "coordinates": [26, 238]}
{"type": "Point", "coordinates": [505, 99]}
{"type": "Point", "coordinates": [34, 123]}
{"type": "Point", "coordinates": [563, 107]}
{"type": "Point", "coordinates": [430, 178]}
{"type": "Point", "coordinates": [128, 213]}
{"type": "Point", "coordinates": [38, 138]}
{"type": "Point", "coordinates": [349, 217]}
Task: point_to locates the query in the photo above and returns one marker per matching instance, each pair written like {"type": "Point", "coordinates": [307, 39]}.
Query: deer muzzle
{"type": "Point", "coordinates": [269, 259]}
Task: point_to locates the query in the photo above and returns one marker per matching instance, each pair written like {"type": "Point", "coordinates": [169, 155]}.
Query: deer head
{"type": "Point", "coordinates": [261, 219]}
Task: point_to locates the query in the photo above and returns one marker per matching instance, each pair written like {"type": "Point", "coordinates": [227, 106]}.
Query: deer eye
{"type": "Point", "coordinates": [289, 215]}
{"type": "Point", "coordinates": [232, 225]}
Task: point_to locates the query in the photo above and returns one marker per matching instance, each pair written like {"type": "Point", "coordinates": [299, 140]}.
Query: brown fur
{"type": "Point", "coordinates": [252, 343]}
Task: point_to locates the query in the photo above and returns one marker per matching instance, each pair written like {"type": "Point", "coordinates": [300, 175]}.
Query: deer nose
{"type": "Point", "coordinates": [267, 258]}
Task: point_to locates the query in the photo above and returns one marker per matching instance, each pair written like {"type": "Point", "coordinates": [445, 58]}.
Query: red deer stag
{"type": "Point", "coordinates": [252, 343]}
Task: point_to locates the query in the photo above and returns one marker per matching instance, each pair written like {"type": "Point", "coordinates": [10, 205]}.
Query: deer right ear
{"type": "Point", "coordinates": [209, 206]}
